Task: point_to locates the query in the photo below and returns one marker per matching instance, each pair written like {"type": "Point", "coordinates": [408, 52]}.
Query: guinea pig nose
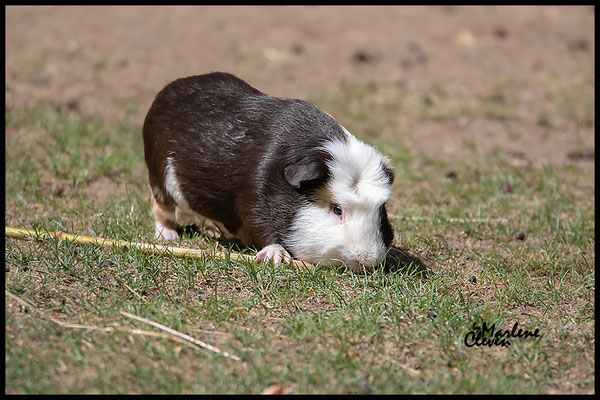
{"type": "Point", "coordinates": [366, 257]}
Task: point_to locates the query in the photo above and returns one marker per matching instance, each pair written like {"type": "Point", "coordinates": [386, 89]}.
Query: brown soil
{"type": "Point", "coordinates": [535, 65]}
{"type": "Point", "coordinates": [103, 188]}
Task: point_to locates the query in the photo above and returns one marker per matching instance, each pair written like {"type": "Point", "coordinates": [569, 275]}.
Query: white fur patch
{"type": "Point", "coordinates": [164, 233]}
{"type": "Point", "coordinates": [358, 177]}
{"type": "Point", "coordinates": [360, 186]}
{"type": "Point", "coordinates": [172, 185]}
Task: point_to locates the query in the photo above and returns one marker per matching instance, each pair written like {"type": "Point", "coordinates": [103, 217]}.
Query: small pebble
{"type": "Point", "coordinates": [58, 188]}
{"type": "Point", "coordinates": [579, 44]}
{"type": "Point", "coordinates": [580, 154]}
{"type": "Point", "coordinates": [426, 100]}
{"type": "Point", "coordinates": [362, 56]}
{"type": "Point", "coordinates": [297, 48]}
{"type": "Point", "coordinates": [500, 32]}
{"type": "Point", "coordinates": [107, 264]}
{"type": "Point", "coordinates": [450, 174]}
{"type": "Point", "coordinates": [72, 104]}
{"type": "Point", "coordinates": [507, 188]}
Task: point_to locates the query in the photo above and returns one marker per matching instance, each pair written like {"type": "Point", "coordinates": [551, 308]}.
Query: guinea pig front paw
{"type": "Point", "coordinates": [275, 253]}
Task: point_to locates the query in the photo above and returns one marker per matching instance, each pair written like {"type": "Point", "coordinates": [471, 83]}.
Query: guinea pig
{"type": "Point", "coordinates": [276, 173]}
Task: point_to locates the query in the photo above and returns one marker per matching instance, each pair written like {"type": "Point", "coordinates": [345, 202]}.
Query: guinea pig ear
{"type": "Point", "coordinates": [305, 171]}
{"type": "Point", "coordinates": [388, 168]}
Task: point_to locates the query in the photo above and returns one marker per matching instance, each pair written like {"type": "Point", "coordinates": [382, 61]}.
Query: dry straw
{"type": "Point", "coordinates": [181, 335]}
{"type": "Point", "coordinates": [171, 333]}
{"type": "Point", "coordinates": [30, 234]}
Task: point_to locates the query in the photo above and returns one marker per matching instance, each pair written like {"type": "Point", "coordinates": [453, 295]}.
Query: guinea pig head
{"type": "Point", "coordinates": [345, 185]}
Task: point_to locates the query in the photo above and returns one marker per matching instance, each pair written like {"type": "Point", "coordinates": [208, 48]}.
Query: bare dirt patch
{"type": "Point", "coordinates": [103, 188]}
{"type": "Point", "coordinates": [53, 185]}
{"type": "Point", "coordinates": [531, 65]}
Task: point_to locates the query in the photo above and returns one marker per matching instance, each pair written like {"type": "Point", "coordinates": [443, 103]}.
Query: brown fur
{"type": "Point", "coordinates": [162, 214]}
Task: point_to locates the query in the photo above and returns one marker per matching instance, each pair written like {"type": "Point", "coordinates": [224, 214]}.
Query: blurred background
{"type": "Point", "coordinates": [446, 82]}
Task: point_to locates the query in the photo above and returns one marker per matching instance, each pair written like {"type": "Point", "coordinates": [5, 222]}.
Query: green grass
{"type": "Point", "coordinates": [313, 331]}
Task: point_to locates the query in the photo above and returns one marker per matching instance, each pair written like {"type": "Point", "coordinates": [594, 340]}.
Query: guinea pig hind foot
{"type": "Point", "coordinates": [165, 233]}
{"type": "Point", "coordinates": [273, 252]}
{"type": "Point", "coordinates": [165, 222]}
{"type": "Point", "coordinates": [210, 229]}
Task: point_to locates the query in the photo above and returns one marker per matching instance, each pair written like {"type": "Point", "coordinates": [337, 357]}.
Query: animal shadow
{"type": "Point", "coordinates": [192, 231]}
{"type": "Point", "coordinates": [399, 260]}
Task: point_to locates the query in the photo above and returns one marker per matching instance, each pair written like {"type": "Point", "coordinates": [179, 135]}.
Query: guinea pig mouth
{"type": "Point", "coordinates": [365, 258]}
{"type": "Point", "coordinates": [355, 259]}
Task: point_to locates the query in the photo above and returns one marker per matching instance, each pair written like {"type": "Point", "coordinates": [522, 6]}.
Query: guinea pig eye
{"type": "Point", "coordinates": [337, 210]}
